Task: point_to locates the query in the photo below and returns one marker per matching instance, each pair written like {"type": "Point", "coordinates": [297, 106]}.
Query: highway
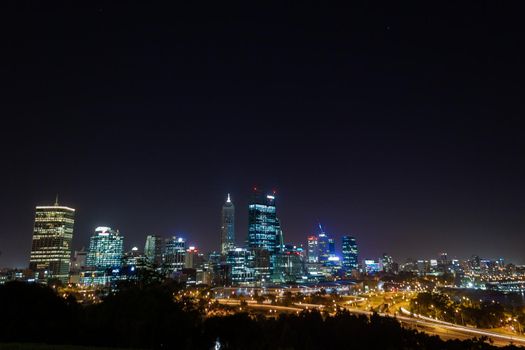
{"type": "Point", "coordinates": [428, 325]}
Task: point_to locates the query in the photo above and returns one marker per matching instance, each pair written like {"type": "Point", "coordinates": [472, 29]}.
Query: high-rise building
{"type": "Point", "coordinates": [324, 247]}
{"type": "Point", "coordinates": [265, 238]}
{"type": "Point", "coordinates": [193, 259]}
{"type": "Point", "coordinates": [174, 254]}
{"type": "Point", "coordinates": [105, 249]}
{"type": "Point", "coordinates": [52, 236]}
{"type": "Point", "coordinates": [264, 229]}
{"type": "Point", "coordinates": [290, 265]}
{"type": "Point", "coordinates": [153, 249]}
{"type": "Point", "coordinates": [350, 260]}
{"type": "Point", "coordinates": [241, 269]}
{"type": "Point", "coordinates": [313, 249]}
{"type": "Point", "coordinates": [228, 226]}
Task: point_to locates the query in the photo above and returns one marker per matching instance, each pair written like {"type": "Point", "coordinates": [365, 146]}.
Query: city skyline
{"type": "Point", "coordinates": [334, 238]}
{"type": "Point", "coordinates": [399, 125]}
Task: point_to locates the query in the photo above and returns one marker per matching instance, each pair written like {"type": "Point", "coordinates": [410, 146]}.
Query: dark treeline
{"type": "Point", "coordinates": [149, 318]}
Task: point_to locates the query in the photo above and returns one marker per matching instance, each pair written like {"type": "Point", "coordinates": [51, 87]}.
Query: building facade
{"type": "Point", "coordinates": [240, 262]}
{"type": "Point", "coordinates": [105, 249]}
{"type": "Point", "coordinates": [350, 254]}
{"type": "Point", "coordinates": [51, 246]}
{"type": "Point", "coordinates": [228, 226]}
{"type": "Point", "coordinates": [265, 237]}
{"type": "Point", "coordinates": [153, 249]}
{"type": "Point", "coordinates": [174, 254]}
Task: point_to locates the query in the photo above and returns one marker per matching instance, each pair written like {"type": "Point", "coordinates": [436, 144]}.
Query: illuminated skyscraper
{"type": "Point", "coordinates": [153, 249]}
{"type": "Point", "coordinates": [313, 250]}
{"type": "Point", "coordinates": [228, 226]}
{"type": "Point", "coordinates": [105, 249]}
{"type": "Point", "coordinates": [265, 238]}
{"type": "Point", "coordinates": [264, 229]}
{"type": "Point", "coordinates": [241, 266]}
{"type": "Point", "coordinates": [350, 261]}
{"type": "Point", "coordinates": [52, 236]}
{"type": "Point", "coordinates": [174, 254]}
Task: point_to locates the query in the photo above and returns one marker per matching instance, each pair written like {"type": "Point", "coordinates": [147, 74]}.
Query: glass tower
{"type": "Point", "coordinates": [228, 227]}
{"type": "Point", "coordinates": [52, 236]}
{"type": "Point", "coordinates": [265, 238]}
{"type": "Point", "coordinates": [105, 249]}
{"type": "Point", "coordinates": [313, 249]}
{"type": "Point", "coordinates": [153, 249]}
{"type": "Point", "coordinates": [264, 229]}
{"type": "Point", "coordinates": [174, 254]}
{"type": "Point", "coordinates": [241, 265]}
{"type": "Point", "coordinates": [350, 261]}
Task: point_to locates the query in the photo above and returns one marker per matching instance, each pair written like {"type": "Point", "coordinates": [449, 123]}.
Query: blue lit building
{"type": "Point", "coordinates": [105, 249]}
{"type": "Point", "coordinates": [350, 252]}
{"type": "Point", "coordinates": [264, 229]}
{"type": "Point", "coordinates": [104, 258]}
{"type": "Point", "coordinates": [240, 263]}
{"type": "Point", "coordinates": [265, 238]}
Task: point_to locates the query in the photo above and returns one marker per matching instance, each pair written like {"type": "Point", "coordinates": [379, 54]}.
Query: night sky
{"type": "Point", "coordinates": [400, 124]}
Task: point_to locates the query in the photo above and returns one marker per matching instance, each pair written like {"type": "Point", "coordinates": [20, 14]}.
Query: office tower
{"type": "Point", "coordinates": [265, 238]}
{"type": "Point", "coordinates": [105, 249]}
{"type": "Point", "coordinates": [313, 249]}
{"type": "Point", "coordinates": [323, 243]}
{"type": "Point", "coordinates": [350, 261]}
{"type": "Point", "coordinates": [193, 259]}
{"type": "Point", "coordinates": [240, 262]}
{"type": "Point", "coordinates": [52, 236]}
{"type": "Point", "coordinates": [264, 229]}
{"type": "Point", "coordinates": [174, 254]}
{"type": "Point", "coordinates": [134, 259]}
{"type": "Point", "coordinates": [228, 226]}
{"type": "Point", "coordinates": [290, 264]}
{"type": "Point", "coordinates": [153, 249]}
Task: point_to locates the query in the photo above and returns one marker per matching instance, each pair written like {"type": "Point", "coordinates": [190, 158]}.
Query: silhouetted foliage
{"type": "Point", "coordinates": [150, 318]}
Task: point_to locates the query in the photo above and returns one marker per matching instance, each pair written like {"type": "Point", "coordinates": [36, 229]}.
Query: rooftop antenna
{"type": "Point", "coordinates": [56, 200]}
{"type": "Point", "coordinates": [321, 228]}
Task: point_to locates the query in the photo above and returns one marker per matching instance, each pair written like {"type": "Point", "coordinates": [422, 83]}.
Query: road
{"type": "Point", "coordinates": [443, 329]}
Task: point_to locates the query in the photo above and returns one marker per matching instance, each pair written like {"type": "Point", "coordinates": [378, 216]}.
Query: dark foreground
{"type": "Point", "coordinates": [149, 318]}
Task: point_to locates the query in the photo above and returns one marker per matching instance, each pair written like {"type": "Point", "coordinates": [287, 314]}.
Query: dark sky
{"type": "Point", "coordinates": [400, 124]}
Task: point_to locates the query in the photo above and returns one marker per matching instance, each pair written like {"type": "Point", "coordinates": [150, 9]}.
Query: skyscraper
{"type": "Point", "coordinates": [241, 266]}
{"type": "Point", "coordinates": [264, 229]}
{"type": "Point", "coordinates": [324, 247]}
{"type": "Point", "coordinates": [153, 249]}
{"type": "Point", "coordinates": [350, 261]}
{"type": "Point", "coordinates": [228, 226]}
{"type": "Point", "coordinates": [52, 236]}
{"type": "Point", "coordinates": [265, 238]}
{"type": "Point", "coordinates": [105, 249]}
{"type": "Point", "coordinates": [313, 250]}
{"type": "Point", "coordinates": [174, 254]}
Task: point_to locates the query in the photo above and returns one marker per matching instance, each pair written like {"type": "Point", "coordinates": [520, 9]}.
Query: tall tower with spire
{"type": "Point", "coordinates": [228, 226]}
